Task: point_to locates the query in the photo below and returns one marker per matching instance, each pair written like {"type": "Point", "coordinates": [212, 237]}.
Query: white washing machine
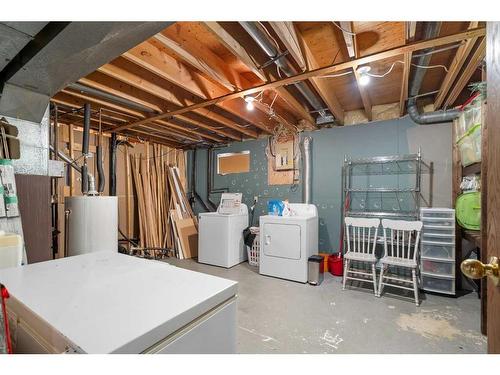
{"type": "Point", "coordinates": [286, 242]}
{"type": "Point", "coordinates": [220, 241]}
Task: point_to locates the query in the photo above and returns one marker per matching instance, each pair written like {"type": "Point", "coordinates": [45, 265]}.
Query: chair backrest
{"type": "Point", "coordinates": [403, 237]}
{"type": "Point", "coordinates": [361, 234]}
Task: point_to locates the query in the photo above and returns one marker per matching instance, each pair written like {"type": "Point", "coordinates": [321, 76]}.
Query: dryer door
{"type": "Point", "coordinates": [282, 240]}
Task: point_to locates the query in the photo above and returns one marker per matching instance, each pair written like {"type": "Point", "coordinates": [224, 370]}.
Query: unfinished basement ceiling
{"type": "Point", "coordinates": [190, 63]}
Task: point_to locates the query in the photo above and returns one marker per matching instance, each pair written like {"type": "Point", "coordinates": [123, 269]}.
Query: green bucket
{"type": "Point", "coordinates": [468, 210]}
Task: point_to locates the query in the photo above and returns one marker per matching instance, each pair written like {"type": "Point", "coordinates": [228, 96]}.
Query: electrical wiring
{"type": "Point", "coordinates": [402, 62]}
{"type": "Point", "coordinates": [344, 30]}
{"type": "Point", "coordinates": [270, 36]}
{"type": "Point", "coordinates": [387, 72]}
{"type": "Point", "coordinates": [336, 75]}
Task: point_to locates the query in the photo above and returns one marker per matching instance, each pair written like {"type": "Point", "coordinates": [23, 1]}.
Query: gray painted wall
{"type": "Point", "coordinates": [329, 146]}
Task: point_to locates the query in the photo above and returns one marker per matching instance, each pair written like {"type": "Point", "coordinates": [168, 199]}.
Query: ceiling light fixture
{"type": "Point", "coordinates": [364, 77]}
{"type": "Point", "coordinates": [249, 100]}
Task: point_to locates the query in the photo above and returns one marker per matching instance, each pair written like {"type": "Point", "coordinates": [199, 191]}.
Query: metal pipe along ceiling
{"type": "Point", "coordinates": [92, 91]}
{"type": "Point", "coordinates": [431, 30]}
{"type": "Point", "coordinates": [259, 35]}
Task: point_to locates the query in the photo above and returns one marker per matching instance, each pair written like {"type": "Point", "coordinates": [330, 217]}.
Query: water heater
{"type": "Point", "coordinates": [91, 224]}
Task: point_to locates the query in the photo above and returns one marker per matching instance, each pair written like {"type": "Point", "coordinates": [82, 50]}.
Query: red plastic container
{"type": "Point", "coordinates": [335, 264]}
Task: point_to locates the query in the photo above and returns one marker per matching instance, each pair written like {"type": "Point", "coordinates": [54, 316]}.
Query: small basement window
{"type": "Point", "coordinates": [233, 162]}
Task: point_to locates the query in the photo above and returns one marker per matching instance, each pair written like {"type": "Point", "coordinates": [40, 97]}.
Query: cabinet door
{"type": "Point", "coordinates": [282, 240]}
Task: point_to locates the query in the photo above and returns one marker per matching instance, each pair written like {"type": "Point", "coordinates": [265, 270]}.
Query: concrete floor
{"type": "Point", "coordinates": [279, 316]}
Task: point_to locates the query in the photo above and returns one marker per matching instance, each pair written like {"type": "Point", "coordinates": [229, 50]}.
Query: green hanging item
{"type": "Point", "coordinates": [468, 210]}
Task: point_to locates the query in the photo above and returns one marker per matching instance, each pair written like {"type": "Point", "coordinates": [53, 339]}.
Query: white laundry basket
{"type": "Point", "coordinates": [254, 250]}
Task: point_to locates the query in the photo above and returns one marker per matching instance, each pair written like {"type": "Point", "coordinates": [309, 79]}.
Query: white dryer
{"type": "Point", "coordinates": [220, 241]}
{"type": "Point", "coordinates": [286, 242]}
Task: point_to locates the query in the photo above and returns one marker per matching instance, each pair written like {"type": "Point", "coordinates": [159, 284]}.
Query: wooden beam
{"type": "Point", "coordinates": [297, 107]}
{"type": "Point", "coordinates": [363, 91]}
{"type": "Point", "coordinates": [277, 116]}
{"type": "Point", "coordinates": [146, 82]}
{"type": "Point", "coordinates": [467, 72]}
{"type": "Point", "coordinates": [323, 86]}
{"type": "Point", "coordinates": [145, 137]}
{"type": "Point", "coordinates": [365, 98]}
{"type": "Point", "coordinates": [135, 114]}
{"type": "Point", "coordinates": [176, 131]}
{"type": "Point", "coordinates": [434, 42]}
{"type": "Point", "coordinates": [215, 75]}
{"type": "Point", "coordinates": [109, 85]}
{"type": "Point", "coordinates": [288, 36]}
{"type": "Point", "coordinates": [456, 65]}
{"type": "Point", "coordinates": [410, 29]}
{"type": "Point", "coordinates": [147, 56]}
{"type": "Point", "coordinates": [235, 48]}
{"type": "Point", "coordinates": [404, 83]}
{"type": "Point", "coordinates": [348, 38]}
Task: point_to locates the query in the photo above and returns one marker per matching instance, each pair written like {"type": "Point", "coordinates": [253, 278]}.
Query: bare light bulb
{"type": "Point", "coordinates": [250, 105]}
{"type": "Point", "coordinates": [364, 79]}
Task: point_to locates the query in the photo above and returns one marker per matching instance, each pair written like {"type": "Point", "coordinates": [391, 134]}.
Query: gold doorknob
{"type": "Point", "coordinates": [475, 269]}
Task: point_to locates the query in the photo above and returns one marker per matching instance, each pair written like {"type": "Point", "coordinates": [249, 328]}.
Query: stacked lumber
{"type": "Point", "coordinates": [166, 220]}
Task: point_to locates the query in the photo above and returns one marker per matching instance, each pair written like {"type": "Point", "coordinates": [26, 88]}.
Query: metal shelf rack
{"type": "Point", "coordinates": [393, 201]}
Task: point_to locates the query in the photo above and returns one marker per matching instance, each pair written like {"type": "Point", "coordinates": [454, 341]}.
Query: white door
{"type": "Point", "coordinates": [282, 240]}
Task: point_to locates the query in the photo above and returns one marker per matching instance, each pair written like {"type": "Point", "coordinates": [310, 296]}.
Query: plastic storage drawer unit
{"type": "Point", "coordinates": [437, 254]}
{"type": "Point", "coordinates": [445, 285]}
{"type": "Point", "coordinates": [430, 250]}
{"type": "Point", "coordinates": [438, 267]}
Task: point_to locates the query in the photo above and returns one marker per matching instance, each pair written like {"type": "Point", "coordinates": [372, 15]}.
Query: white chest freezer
{"type": "Point", "coordinates": [107, 302]}
{"type": "Point", "coordinates": [220, 241]}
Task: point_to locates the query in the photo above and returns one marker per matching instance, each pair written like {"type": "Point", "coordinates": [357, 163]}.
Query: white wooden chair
{"type": "Point", "coordinates": [361, 235]}
{"type": "Point", "coordinates": [402, 252]}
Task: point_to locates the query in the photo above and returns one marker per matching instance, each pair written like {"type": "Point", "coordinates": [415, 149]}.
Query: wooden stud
{"type": "Point", "coordinates": [128, 195]}
{"type": "Point", "coordinates": [348, 38]}
{"type": "Point", "coordinates": [404, 83]}
{"type": "Point", "coordinates": [363, 92]}
{"type": "Point", "coordinates": [322, 85]}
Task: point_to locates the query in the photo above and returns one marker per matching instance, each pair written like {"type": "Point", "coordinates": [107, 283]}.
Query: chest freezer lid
{"type": "Point", "coordinates": [113, 303]}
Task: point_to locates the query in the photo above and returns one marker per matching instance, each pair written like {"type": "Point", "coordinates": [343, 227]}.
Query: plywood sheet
{"type": "Point", "coordinates": [278, 177]}
{"type": "Point", "coordinates": [188, 235]}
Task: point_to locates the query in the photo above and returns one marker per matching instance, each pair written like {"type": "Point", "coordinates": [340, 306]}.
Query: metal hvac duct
{"type": "Point", "coordinates": [431, 30]}
{"type": "Point", "coordinates": [306, 189]}
{"type": "Point", "coordinates": [259, 34]}
{"type": "Point", "coordinates": [92, 91]}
